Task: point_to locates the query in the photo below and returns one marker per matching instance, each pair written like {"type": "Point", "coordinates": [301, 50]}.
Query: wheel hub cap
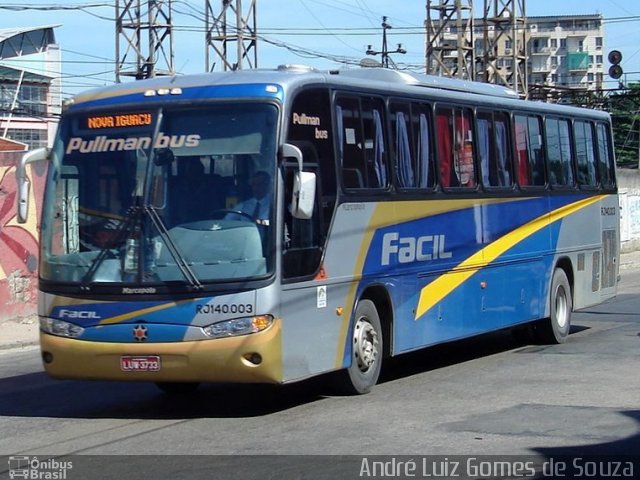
{"type": "Point", "coordinates": [365, 343]}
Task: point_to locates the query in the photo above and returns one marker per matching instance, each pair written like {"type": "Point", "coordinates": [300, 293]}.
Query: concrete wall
{"type": "Point", "coordinates": [629, 188]}
{"type": "Point", "coordinates": [18, 242]}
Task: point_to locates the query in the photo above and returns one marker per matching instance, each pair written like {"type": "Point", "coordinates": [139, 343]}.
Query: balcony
{"type": "Point", "coordinates": [541, 51]}
{"type": "Point", "coordinates": [540, 69]}
{"type": "Point", "coordinates": [578, 61]}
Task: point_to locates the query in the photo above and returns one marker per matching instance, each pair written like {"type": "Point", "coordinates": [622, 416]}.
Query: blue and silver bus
{"type": "Point", "coordinates": [272, 225]}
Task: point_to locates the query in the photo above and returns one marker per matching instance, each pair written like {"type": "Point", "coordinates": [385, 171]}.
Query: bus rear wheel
{"type": "Point", "coordinates": [366, 351]}
{"type": "Point", "coordinates": [555, 329]}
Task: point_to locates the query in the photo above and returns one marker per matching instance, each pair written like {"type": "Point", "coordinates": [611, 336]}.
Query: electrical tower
{"type": "Point", "coordinates": [132, 59]}
{"type": "Point", "coordinates": [449, 40]}
{"type": "Point", "coordinates": [221, 35]}
{"type": "Point", "coordinates": [505, 43]}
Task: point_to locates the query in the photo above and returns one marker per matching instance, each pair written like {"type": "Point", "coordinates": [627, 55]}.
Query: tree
{"type": "Point", "coordinates": [624, 108]}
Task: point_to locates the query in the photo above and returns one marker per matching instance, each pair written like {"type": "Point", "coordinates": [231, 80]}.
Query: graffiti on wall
{"type": "Point", "coordinates": [18, 242]}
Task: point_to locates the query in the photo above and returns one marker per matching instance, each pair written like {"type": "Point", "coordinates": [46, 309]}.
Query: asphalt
{"type": "Point", "coordinates": [22, 333]}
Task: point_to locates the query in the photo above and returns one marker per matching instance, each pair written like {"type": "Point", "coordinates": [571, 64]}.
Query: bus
{"type": "Point", "coordinates": [396, 211]}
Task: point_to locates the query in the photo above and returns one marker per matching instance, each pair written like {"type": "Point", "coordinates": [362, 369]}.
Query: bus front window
{"type": "Point", "coordinates": [157, 196]}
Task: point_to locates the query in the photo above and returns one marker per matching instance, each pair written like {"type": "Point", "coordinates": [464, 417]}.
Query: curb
{"type": "Point", "coordinates": [17, 345]}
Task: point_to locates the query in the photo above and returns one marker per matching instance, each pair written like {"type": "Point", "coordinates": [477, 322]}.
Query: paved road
{"type": "Point", "coordinates": [490, 395]}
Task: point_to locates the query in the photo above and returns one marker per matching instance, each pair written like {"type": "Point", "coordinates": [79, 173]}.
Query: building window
{"type": "Point", "coordinates": [590, 77]}
{"type": "Point", "coordinates": [563, 43]}
{"type": "Point", "coordinates": [31, 101]}
{"type": "Point", "coordinates": [599, 42]}
{"type": "Point", "coordinates": [598, 58]}
{"type": "Point", "coordinates": [32, 137]}
{"type": "Point", "coordinates": [554, 43]}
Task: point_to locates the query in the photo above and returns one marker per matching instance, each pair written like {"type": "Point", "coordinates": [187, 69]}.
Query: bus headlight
{"type": "Point", "coordinates": [60, 328]}
{"type": "Point", "coordinates": [238, 326]}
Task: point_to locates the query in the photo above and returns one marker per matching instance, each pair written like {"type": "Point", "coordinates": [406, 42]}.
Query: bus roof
{"type": "Point", "coordinates": [242, 83]}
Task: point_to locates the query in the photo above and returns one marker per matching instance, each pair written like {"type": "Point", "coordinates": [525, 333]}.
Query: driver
{"type": "Point", "coordinates": [258, 205]}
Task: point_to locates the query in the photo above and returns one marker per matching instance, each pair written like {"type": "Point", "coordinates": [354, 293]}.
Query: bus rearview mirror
{"type": "Point", "coordinates": [23, 181]}
{"type": "Point", "coordinates": [304, 194]}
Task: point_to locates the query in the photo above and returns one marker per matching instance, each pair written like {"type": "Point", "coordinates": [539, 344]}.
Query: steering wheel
{"type": "Point", "coordinates": [226, 211]}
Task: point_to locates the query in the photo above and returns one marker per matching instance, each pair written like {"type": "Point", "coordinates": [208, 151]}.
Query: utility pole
{"type": "Point", "coordinates": [505, 44]}
{"type": "Point", "coordinates": [450, 39]}
{"type": "Point", "coordinates": [131, 58]}
{"type": "Point", "coordinates": [386, 59]}
{"type": "Point", "coordinates": [221, 35]}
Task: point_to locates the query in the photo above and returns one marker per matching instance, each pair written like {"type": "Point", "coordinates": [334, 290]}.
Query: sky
{"type": "Point", "coordinates": [325, 34]}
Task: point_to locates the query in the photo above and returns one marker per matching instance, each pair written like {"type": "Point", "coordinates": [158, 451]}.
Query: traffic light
{"type": "Point", "coordinates": [615, 70]}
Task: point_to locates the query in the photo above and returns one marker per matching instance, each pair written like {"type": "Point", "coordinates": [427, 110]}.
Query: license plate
{"type": "Point", "coordinates": [147, 363]}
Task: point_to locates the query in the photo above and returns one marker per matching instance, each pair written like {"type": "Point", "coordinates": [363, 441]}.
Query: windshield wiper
{"type": "Point", "coordinates": [131, 218]}
{"type": "Point", "coordinates": [172, 247]}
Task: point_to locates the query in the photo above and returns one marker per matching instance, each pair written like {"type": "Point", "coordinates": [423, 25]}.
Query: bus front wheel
{"type": "Point", "coordinates": [366, 351]}
{"type": "Point", "coordinates": [555, 329]}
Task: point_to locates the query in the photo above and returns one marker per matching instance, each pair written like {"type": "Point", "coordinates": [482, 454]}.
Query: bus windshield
{"type": "Point", "coordinates": [161, 195]}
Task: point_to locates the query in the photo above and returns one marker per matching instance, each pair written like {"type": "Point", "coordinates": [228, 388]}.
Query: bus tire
{"type": "Point", "coordinates": [555, 329]}
{"type": "Point", "coordinates": [366, 351]}
{"type": "Point", "coordinates": [177, 388]}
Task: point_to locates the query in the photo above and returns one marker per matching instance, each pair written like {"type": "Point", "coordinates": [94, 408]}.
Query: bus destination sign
{"type": "Point", "coordinates": [119, 121]}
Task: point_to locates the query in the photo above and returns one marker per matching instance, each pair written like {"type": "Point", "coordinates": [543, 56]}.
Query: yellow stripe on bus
{"type": "Point", "coordinates": [390, 213]}
{"type": "Point", "coordinates": [435, 291]}
{"type": "Point", "coordinates": [144, 311]}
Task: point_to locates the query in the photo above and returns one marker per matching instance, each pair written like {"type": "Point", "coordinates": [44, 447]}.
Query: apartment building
{"type": "Point", "coordinates": [30, 96]}
{"type": "Point", "coordinates": [566, 51]}
{"type": "Point", "coordinates": [562, 53]}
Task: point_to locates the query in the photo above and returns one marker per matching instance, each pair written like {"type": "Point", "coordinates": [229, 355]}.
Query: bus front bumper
{"type": "Point", "coordinates": [233, 359]}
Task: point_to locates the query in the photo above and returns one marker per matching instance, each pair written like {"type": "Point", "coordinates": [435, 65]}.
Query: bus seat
{"type": "Point", "coordinates": [352, 178]}
{"type": "Point", "coordinates": [193, 193]}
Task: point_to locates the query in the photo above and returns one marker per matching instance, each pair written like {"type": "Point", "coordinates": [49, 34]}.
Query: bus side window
{"type": "Point", "coordinates": [530, 155]}
{"type": "Point", "coordinates": [424, 167]}
{"type": "Point", "coordinates": [463, 158]}
{"type": "Point", "coordinates": [585, 154]}
{"type": "Point", "coordinates": [412, 152]}
{"type": "Point", "coordinates": [605, 158]}
{"type": "Point", "coordinates": [403, 154]}
{"type": "Point", "coordinates": [444, 129]}
{"type": "Point", "coordinates": [360, 142]}
{"type": "Point", "coordinates": [455, 147]}
{"type": "Point", "coordinates": [559, 152]}
{"type": "Point", "coordinates": [522, 150]}
{"type": "Point", "coordinates": [493, 149]}
{"type": "Point", "coordinates": [374, 144]}
{"type": "Point", "coordinates": [350, 155]}
{"type": "Point", "coordinates": [504, 160]}
{"type": "Point", "coordinates": [536, 155]}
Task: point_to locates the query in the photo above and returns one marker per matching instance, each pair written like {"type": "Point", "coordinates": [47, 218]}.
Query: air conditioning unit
{"type": "Point", "coordinates": [507, 51]}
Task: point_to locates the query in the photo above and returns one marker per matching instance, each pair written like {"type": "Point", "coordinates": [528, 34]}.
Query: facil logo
{"type": "Point", "coordinates": [412, 249]}
{"type": "Point", "coordinates": [85, 314]}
